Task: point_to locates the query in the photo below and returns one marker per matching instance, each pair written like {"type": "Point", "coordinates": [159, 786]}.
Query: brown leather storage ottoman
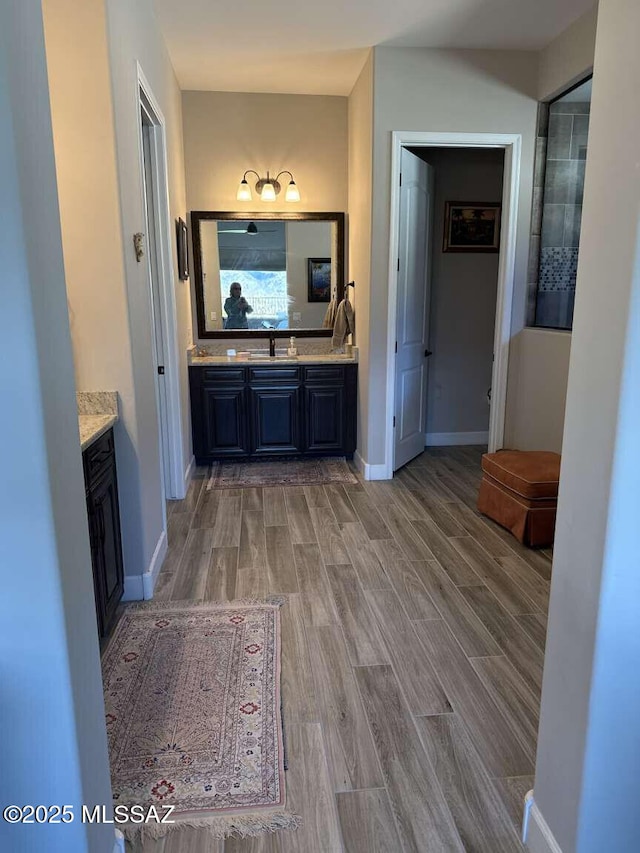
{"type": "Point", "coordinates": [519, 490]}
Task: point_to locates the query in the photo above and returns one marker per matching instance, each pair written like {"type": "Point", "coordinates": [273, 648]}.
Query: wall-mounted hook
{"type": "Point", "coordinates": [138, 245]}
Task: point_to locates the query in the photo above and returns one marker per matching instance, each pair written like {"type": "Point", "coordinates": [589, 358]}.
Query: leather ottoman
{"type": "Point", "coordinates": [519, 490]}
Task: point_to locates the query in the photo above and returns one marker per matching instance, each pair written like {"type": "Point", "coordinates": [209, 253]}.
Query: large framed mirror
{"type": "Point", "coordinates": [263, 274]}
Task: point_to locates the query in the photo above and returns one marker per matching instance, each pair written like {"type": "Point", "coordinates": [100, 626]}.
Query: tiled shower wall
{"type": "Point", "coordinates": [536, 213]}
{"type": "Point", "coordinates": [566, 149]}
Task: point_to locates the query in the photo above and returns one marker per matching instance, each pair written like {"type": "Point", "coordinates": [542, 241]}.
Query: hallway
{"type": "Point", "coordinates": [413, 643]}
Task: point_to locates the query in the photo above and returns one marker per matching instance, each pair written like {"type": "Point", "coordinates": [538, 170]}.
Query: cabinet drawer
{"type": "Point", "coordinates": [98, 457]}
{"type": "Point", "coordinates": [324, 373]}
{"type": "Point", "coordinates": [223, 375]}
{"type": "Point", "coordinates": [274, 374]}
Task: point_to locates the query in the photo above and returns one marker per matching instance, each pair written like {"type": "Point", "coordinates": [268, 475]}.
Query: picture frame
{"type": "Point", "coordinates": [183, 252]}
{"type": "Point", "coordinates": [319, 279]}
{"type": "Point", "coordinates": [471, 226]}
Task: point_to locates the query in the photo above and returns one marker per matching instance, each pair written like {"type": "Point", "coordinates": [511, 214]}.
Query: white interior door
{"type": "Point", "coordinates": [151, 217]}
{"type": "Point", "coordinates": [414, 294]}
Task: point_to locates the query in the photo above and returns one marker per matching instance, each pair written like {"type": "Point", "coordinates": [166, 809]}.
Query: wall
{"type": "Point", "coordinates": [569, 57]}
{"type": "Point", "coordinates": [360, 214]}
{"type": "Point", "coordinates": [588, 746]}
{"type": "Point", "coordinates": [226, 133]}
{"type": "Point", "coordinates": [439, 90]}
{"type": "Point", "coordinates": [537, 382]}
{"type": "Point", "coordinates": [464, 287]}
{"type": "Point", "coordinates": [95, 119]}
{"type": "Point", "coordinates": [51, 711]}
{"type": "Point", "coordinates": [134, 36]}
{"type": "Point", "coordinates": [539, 359]}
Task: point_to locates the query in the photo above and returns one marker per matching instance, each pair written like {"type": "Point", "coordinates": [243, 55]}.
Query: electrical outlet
{"type": "Point", "coordinates": [297, 316]}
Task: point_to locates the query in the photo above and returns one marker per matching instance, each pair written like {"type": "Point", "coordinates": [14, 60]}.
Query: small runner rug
{"type": "Point", "coordinates": [280, 472]}
{"type": "Point", "coordinates": [192, 701]}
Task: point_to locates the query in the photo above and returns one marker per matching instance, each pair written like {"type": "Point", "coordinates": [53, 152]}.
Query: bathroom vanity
{"type": "Point", "coordinates": [273, 407]}
{"type": "Point", "coordinates": [97, 414]}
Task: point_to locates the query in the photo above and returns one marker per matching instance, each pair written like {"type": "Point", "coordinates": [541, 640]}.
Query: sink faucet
{"type": "Point", "coordinates": [272, 344]}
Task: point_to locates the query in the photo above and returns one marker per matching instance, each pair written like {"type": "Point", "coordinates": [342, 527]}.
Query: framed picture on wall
{"type": "Point", "coordinates": [471, 226]}
{"type": "Point", "coordinates": [183, 253]}
{"type": "Point", "coordinates": [319, 279]}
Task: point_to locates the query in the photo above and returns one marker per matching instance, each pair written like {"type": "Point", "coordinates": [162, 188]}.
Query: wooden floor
{"type": "Point", "coordinates": [413, 642]}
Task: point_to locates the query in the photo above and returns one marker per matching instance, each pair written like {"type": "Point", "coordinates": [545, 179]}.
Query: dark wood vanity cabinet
{"type": "Point", "coordinates": [275, 410]}
{"type": "Point", "coordinates": [104, 528]}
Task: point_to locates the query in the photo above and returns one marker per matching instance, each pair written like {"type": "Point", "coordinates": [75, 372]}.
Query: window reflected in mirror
{"type": "Point", "coordinates": [265, 274]}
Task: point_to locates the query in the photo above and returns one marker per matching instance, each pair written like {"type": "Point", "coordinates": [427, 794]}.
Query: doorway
{"type": "Point", "coordinates": [463, 293]}
{"type": "Point", "coordinates": [509, 145]}
{"type": "Point", "coordinates": [158, 259]}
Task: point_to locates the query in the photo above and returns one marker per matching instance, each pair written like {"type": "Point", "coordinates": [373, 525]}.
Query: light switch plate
{"type": "Point", "coordinates": [297, 316]}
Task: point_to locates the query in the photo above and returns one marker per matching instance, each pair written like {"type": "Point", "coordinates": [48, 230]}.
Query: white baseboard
{"type": "Point", "coordinates": [133, 588]}
{"type": "Point", "coordinates": [140, 587]}
{"type": "Point", "coordinates": [119, 847]}
{"type": "Point", "coordinates": [447, 439]}
{"type": "Point", "coordinates": [370, 472]}
{"type": "Point", "coordinates": [188, 474]}
{"type": "Point", "coordinates": [536, 833]}
{"type": "Point", "coordinates": [150, 576]}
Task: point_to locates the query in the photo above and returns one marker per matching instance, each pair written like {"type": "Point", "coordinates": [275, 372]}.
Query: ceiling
{"type": "Point", "coordinates": [319, 48]}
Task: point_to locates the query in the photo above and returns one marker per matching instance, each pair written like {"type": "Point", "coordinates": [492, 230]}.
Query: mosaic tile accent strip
{"type": "Point", "coordinates": [558, 268]}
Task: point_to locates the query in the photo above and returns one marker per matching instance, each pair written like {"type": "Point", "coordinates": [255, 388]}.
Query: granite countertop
{"type": "Point", "coordinates": [319, 358]}
{"type": "Point", "coordinates": [97, 413]}
{"type": "Point", "coordinates": [93, 426]}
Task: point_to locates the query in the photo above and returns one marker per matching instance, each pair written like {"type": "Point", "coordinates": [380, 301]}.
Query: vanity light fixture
{"type": "Point", "coordinates": [268, 187]}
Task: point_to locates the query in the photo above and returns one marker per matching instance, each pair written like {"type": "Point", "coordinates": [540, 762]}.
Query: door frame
{"type": "Point", "coordinates": [512, 145]}
{"type": "Point", "coordinates": [169, 420]}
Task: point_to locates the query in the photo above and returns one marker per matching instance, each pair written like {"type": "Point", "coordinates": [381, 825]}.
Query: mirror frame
{"type": "Point", "coordinates": [198, 216]}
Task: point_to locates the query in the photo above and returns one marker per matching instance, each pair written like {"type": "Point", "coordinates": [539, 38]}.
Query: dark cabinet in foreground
{"type": "Point", "coordinates": [275, 410]}
{"type": "Point", "coordinates": [104, 528]}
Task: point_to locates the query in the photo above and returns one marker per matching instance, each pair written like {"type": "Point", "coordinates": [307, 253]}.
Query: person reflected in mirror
{"type": "Point", "coordinates": [236, 308]}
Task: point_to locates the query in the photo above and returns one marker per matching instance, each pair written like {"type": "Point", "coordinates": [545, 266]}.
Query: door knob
{"type": "Point", "coordinates": [427, 353]}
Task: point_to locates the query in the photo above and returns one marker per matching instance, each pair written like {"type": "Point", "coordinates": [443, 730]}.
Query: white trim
{"type": "Point", "coordinates": [133, 588]}
{"type": "Point", "coordinates": [174, 488]}
{"type": "Point", "coordinates": [512, 145]}
{"type": "Point", "coordinates": [539, 838]}
{"type": "Point", "coordinates": [447, 439]}
{"type": "Point", "coordinates": [150, 576]}
{"type": "Point", "coordinates": [119, 847]}
{"type": "Point", "coordinates": [188, 474]}
{"type": "Point", "coordinates": [140, 587]}
{"type": "Point", "coordinates": [370, 472]}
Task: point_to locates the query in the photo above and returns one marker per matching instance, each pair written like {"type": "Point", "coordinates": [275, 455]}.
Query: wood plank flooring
{"type": "Point", "coordinates": [412, 650]}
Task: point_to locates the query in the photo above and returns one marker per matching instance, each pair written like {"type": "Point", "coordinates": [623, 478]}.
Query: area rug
{"type": "Point", "coordinates": [192, 701]}
{"type": "Point", "coordinates": [280, 472]}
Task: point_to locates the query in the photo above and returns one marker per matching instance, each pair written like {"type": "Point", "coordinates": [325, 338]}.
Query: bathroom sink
{"type": "Point", "coordinates": [264, 356]}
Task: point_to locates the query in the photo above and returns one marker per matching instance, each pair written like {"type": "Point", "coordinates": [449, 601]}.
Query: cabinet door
{"type": "Point", "coordinates": [96, 565]}
{"type": "Point", "coordinates": [276, 420]}
{"type": "Point", "coordinates": [325, 418]}
{"type": "Point", "coordinates": [225, 421]}
{"type": "Point", "coordinates": [108, 566]}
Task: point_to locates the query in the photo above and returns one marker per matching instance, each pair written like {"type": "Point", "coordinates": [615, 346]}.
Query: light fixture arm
{"type": "Point", "coordinates": [250, 172]}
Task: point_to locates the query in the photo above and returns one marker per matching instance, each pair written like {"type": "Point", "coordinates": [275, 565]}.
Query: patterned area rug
{"type": "Point", "coordinates": [280, 472]}
{"type": "Point", "coordinates": [192, 700]}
